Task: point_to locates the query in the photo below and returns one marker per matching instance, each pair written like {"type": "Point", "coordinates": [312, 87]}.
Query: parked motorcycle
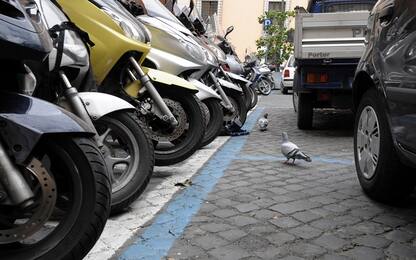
{"type": "Point", "coordinates": [261, 76]}
{"type": "Point", "coordinates": [167, 104]}
{"type": "Point", "coordinates": [126, 146]}
{"type": "Point", "coordinates": [216, 76]}
{"type": "Point", "coordinates": [54, 188]}
{"type": "Point", "coordinates": [173, 51]}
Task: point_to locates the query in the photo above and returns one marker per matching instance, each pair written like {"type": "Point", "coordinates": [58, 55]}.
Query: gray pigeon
{"type": "Point", "coordinates": [291, 150]}
{"type": "Point", "coordinates": [263, 122]}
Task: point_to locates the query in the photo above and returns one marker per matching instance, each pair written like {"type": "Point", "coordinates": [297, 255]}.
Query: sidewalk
{"type": "Point", "coordinates": [246, 204]}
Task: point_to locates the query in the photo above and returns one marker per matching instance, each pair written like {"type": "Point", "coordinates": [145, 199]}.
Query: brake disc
{"type": "Point", "coordinates": [45, 199]}
{"type": "Point", "coordinates": [163, 133]}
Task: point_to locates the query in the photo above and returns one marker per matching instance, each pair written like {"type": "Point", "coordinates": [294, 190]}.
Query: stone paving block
{"type": "Point", "coordinates": [209, 241]}
{"type": "Point", "coordinates": [252, 242]}
{"type": "Point", "coordinates": [401, 251]}
{"type": "Point", "coordinates": [285, 222]}
{"type": "Point", "coordinates": [246, 207]}
{"type": "Point", "coordinates": [232, 235]}
{"type": "Point", "coordinates": [372, 241]}
{"type": "Point", "coordinates": [364, 253]}
{"type": "Point", "coordinates": [306, 216]}
{"type": "Point", "coordinates": [305, 232]}
{"type": "Point", "coordinates": [295, 206]}
{"type": "Point", "coordinates": [225, 213]}
{"type": "Point", "coordinates": [280, 238]}
{"type": "Point", "coordinates": [389, 220]}
{"type": "Point", "coordinates": [272, 252]}
{"type": "Point", "coordinates": [230, 252]}
{"type": "Point", "coordinates": [330, 242]}
{"type": "Point", "coordinates": [307, 250]}
{"type": "Point", "coordinates": [398, 236]}
{"type": "Point", "coordinates": [242, 221]}
{"type": "Point", "coordinates": [215, 227]}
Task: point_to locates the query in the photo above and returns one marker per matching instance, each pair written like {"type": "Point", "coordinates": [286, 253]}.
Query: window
{"type": "Point", "coordinates": [209, 8]}
{"type": "Point", "coordinates": [277, 6]}
{"type": "Point", "coordinates": [346, 7]}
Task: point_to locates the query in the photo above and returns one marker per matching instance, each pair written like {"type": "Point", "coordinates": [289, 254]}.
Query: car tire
{"type": "Point", "coordinates": [384, 178]}
{"type": "Point", "coordinates": [305, 111]}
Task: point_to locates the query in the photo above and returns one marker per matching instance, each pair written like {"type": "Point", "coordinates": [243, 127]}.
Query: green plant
{"type": "Point", "coordinates": [274, 44]}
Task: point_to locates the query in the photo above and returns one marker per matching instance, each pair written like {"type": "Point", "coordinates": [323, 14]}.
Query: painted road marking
{"type": "Point", "coordinates": [281, 158]}
{"type": "Point", "coordinates": [159, 237]}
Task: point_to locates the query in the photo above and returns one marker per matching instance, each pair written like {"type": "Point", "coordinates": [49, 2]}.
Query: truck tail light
{"type": "Point", "coordinates": [286, 73]}
{"type": "Point", "coordinates": [312, 78]}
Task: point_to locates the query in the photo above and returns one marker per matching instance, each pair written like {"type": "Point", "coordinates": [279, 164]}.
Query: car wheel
{"type": "Point", "coordinates": [305, 111]}
{"type": "Point", "coordinates": [381, 174]}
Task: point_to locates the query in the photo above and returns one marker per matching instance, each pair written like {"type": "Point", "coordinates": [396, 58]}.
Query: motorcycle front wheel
{"type": "Point", "coordinates": [129, 156]}
{"type": "Point", "coordinates": [238, 102]}
{"type": "Point", "coordinates": [72, 202]}
{"type": "Point", "coordinates": [265, 86]}
{"type": "Point", "coordinates": [176, 144]}
{"type": "Point", "coordinates": [214, 120]}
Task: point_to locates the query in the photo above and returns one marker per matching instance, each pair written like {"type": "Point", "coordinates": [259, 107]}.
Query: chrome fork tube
{"type": "Point", "coordinates": [147, 84]}
{"type": "Point", "coordinates": [77, 106]}
{"type": "Point", "coordinates": [227, 102]}
{"type": "Point", "coordinates": [13, 182]}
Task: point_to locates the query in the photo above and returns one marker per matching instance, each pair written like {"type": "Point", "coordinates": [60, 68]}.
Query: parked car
{"type": "Point", "coordinates": [384, 97]}
{"type": "Point", "coordinates": [287, 75]}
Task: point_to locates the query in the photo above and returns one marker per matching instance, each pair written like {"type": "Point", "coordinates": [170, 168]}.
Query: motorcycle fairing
{"type": "Point", "coordinates": [237, 77]}
{"type": "Point", "coordinates": [166, 79]}
{"type": "Point", "coordinates": [204, 92]}
{"type": "Point", "coordinates": [24, 120]}
{"type": "Point", "coordinates": [229, 85]}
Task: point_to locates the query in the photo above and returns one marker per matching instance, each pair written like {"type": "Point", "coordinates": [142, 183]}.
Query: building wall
{"type": "Point", "coordinates": [243, 15]}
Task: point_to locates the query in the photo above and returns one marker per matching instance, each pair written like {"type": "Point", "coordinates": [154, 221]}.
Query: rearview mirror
{"type": "Point", "coordinates": [229, 30]}
{"type": "Point", "coordinates": [191, 7]}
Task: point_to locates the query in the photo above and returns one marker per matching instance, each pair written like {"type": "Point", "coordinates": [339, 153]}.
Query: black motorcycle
{"type": "Point", "coordinates": [54, 187]}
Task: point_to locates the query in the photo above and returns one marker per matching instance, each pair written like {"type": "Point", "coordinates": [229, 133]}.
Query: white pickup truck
{"type": "Point", "coordinates": [329, 41]}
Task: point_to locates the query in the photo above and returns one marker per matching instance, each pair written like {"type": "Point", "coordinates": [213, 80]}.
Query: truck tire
{"type": "Point", "coordinates": [305, 111]}
{"type": "Point", "coordinates": [382, 175]}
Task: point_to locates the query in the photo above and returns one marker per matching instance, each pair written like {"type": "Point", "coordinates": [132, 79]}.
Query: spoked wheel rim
{"type": "Point", "coordinates": [120, 152]}
{"type": "Point", "coordinates": [265, 87]}
{"type": "Point", "coordinates": [368, 142]}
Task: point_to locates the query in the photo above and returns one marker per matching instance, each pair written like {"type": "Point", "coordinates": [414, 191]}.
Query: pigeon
{"type": "Point", "coordinates": [292, 151]}
{"type": "Point", "coordinates": [263, 122]}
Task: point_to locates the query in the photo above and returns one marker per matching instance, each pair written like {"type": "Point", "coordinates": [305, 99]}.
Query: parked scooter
{"type": "Point", "coordinates": [167, 103]}
{"type": "Point", "coordinates": [126, 147]}
{"type": "Point", "coordinates": [261, 76]}
{"type": "Point", "coordinates": [176, 53]}
{"type": "Point", "coordinates": [216, 59]}
{"type": "Point", "coordinates": [54, 188]}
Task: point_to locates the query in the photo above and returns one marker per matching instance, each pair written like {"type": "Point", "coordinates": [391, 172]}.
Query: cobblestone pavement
{"type": "Point", "coordinates": [264, 209]}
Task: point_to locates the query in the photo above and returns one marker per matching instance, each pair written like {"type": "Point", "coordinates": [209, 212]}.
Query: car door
{"type": "Point", "coordinates": [395, 64]}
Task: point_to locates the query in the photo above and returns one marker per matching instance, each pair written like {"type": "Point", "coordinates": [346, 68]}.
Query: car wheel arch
{"type": "Point", "coordinates": [361, 84]}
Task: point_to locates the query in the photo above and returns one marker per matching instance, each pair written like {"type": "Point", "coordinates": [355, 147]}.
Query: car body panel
{"type": "Point", "coordinates": [390, 62]}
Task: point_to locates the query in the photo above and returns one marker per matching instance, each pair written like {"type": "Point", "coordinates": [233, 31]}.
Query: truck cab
{"type": "Point", "coordinates": [329, 41]}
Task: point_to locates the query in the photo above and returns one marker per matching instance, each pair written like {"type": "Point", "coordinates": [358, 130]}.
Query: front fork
{"type": "Point", "coordinates": [13, 182]}
{"type": "Point", "coordinates": [227, 103]}
{"type": "Point", "coordinates": [147, 85]}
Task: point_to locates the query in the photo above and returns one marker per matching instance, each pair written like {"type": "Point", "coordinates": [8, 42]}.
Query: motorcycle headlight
{"type": "Point", "coordinates": [194, 51]}
{"type": "Point", "coordinates": [129, 28]}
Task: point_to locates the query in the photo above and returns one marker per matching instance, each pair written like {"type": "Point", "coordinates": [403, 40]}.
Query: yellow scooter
{"type": "Point", "coordinates": [167, 103]}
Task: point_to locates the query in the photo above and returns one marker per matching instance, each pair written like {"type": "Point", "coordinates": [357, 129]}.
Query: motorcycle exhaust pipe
{"type": "Point", "coordinates": [13, 182]}
{"type": "Point", "coordinates": [227, 102]}
{"type": "Point", "coordinates": [147, 84]}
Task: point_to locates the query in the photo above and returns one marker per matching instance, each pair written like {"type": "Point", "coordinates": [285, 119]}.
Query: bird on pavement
{"type": "Point", "coordinates": [292, 151]}
{"type": "Point", "coordinates": [263, 122]}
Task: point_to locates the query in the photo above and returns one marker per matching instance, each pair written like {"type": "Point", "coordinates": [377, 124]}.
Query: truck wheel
{"type": "Point", "coordinates": [381, 174]}
{"type": "Point", "coordinates": [305, 111]}
{"type": "Point", "coordinates": [283, 90]}
{"type": "Point", "coordinates": [295, 101]}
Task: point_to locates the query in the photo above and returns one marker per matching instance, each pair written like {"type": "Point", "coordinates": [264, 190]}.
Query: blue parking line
{"type": "Point", "coordinates": [281, 158]}
{"type": "Point", "coordinates": [158, 238]}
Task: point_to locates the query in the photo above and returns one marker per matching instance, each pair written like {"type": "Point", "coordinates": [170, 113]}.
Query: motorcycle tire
{"type": "Point", "coordinates": [76, 168]}
{"type": "Point", "coordinates": [254, 99]}
{"type": "Point", "coordinates": [126, 138]}
{"type": "Point", "coordinates": [185, 138]}
{"type": "Point", "coordinates": [248, 96]}
{"type": "Point", "coordinates": [214, 121]}
{"type": "Point", "coordinates": [265, 86]}
{"type": "Point", "coordinates": [238, 102]}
